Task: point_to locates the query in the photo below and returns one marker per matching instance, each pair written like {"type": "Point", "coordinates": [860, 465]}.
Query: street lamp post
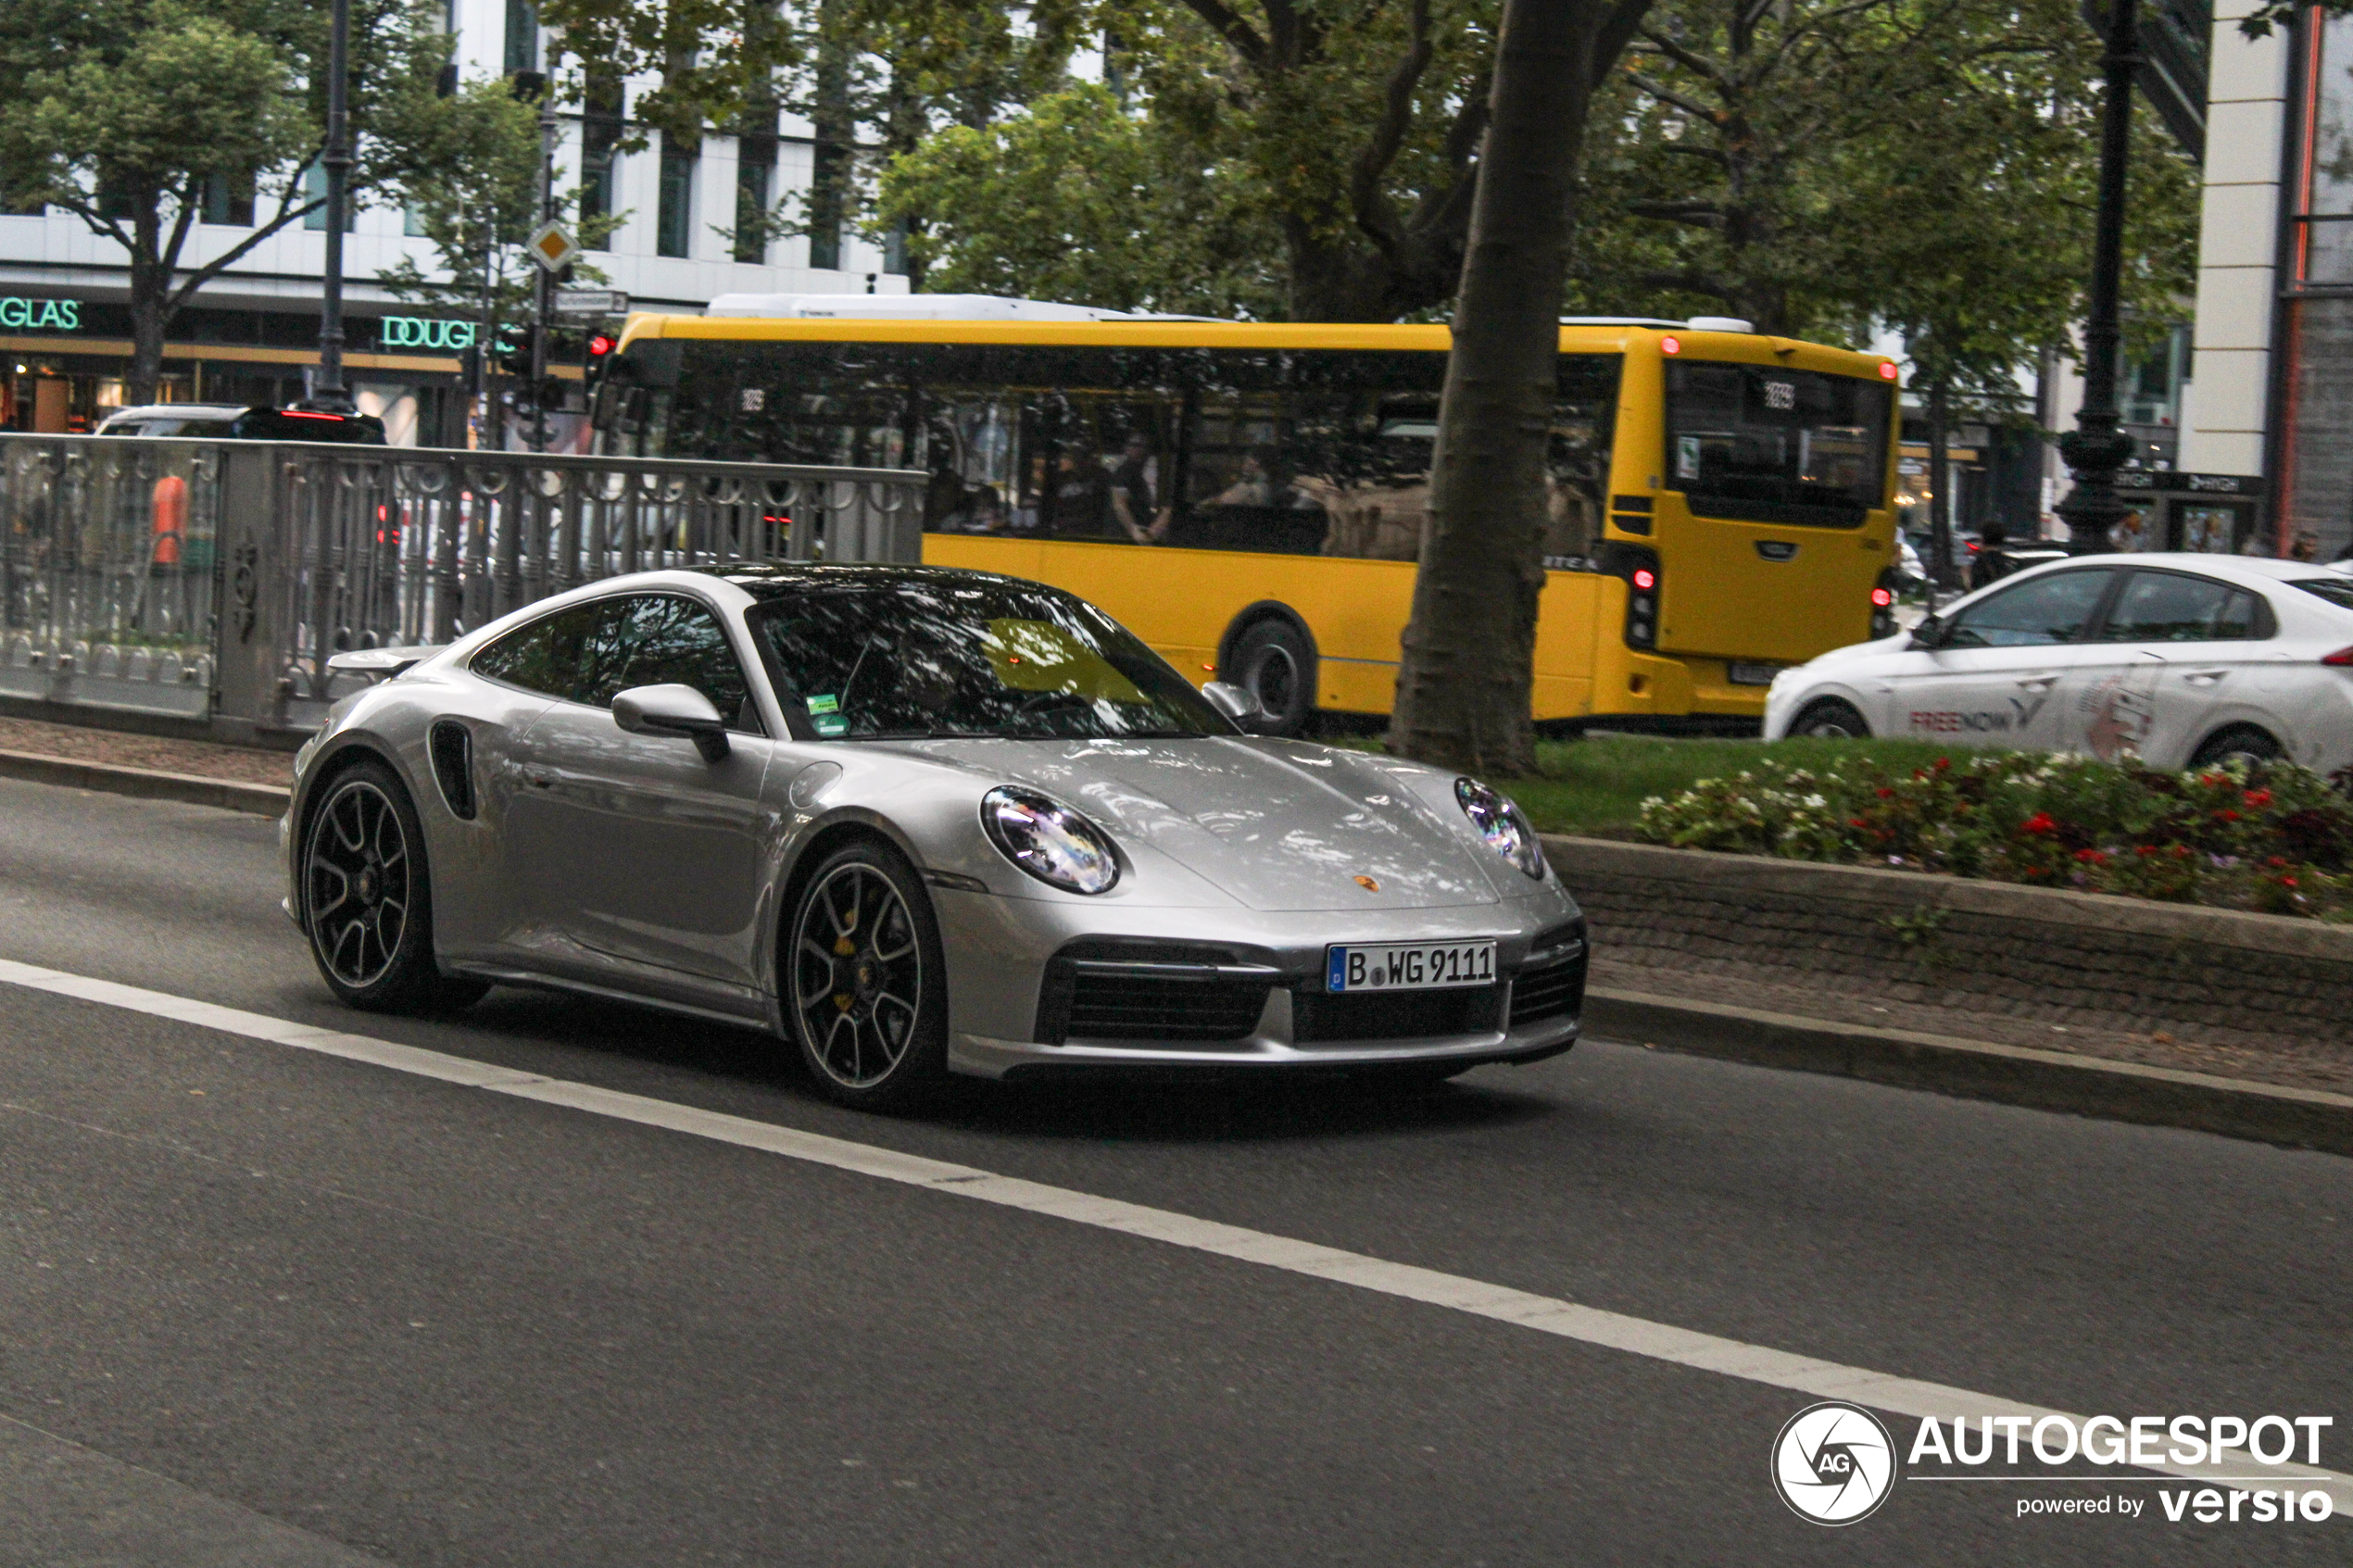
{"type": "Point", "coordinates": [2097, 447]}
{"type": "Point", "coordinates": [327, 390]}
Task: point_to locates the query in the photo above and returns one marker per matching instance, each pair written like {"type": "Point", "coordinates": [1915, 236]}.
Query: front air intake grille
{"type": "Point", "coordinates": [1551, 983]}
{"type": "Point", "coordinates": [1326, 1017]}
{"type": "Point", "coordinates": [1151, 992]}
{"type": "Point", "coordinates": [452, 745]}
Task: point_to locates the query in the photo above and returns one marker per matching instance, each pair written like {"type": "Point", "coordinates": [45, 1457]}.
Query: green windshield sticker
{"type": "Point", "coordinates": [830, 724]}
{"type": "Point", "coordinates": [825, 702]}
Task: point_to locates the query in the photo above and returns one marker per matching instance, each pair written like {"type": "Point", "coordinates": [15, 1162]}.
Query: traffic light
{"type": "Point", "coordinates": [602, 357]}
{"type": "Point", "coordinates": [511, 352]}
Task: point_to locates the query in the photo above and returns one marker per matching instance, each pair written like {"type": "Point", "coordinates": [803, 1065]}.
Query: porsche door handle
{"type": "Point", "coordinates": [539, 778]}
{"type": "Point", "coordinates": [2037, 682]}
{"type": "Point", "coordinates": [2204, 677]}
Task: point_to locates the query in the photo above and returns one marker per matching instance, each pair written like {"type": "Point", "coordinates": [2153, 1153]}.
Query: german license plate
{"type": "Point", "coordinates": [1752, 675]}
{"type": "Point", "coordinates": [1410, 966]}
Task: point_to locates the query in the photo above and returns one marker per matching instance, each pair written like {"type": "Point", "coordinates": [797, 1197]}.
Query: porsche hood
{"type": "Point", "coordinates": [1275, 825]}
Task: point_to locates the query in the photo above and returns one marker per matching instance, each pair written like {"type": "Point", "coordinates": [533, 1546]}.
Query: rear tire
{"type": "Point", "coordinates": [367, 898]}
{"type": "Point", "coordinates": [2243, 742]}
{"type": "Point", "coordinates": [1830, 720]}
{"type": "Point", "coordinates": [862, 979]}
{"type": "Point", "coordinates": [1272, 660]}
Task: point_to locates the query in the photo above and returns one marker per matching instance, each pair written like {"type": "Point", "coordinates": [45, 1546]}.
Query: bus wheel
{"type": "Point", "coordinates": [1273, 660]}
{"type": "Point", "coordinates": [1832, 720]}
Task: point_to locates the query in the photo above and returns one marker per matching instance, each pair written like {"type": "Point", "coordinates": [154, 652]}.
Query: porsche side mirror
{"type": "Point", "coordinates": [672, 710]}
{"type": "Point", "coordinates": [1237, 703]}
{"type": "Point", "coordinates": [1927, 634]}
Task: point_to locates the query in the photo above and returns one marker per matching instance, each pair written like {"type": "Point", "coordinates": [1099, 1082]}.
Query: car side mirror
{"type": "Point", "coordinates": [1929, 633]}
{"type": "Point", "coordinates": [672, 710]}
{"type": "Point", "coordinates": [1237, 703]}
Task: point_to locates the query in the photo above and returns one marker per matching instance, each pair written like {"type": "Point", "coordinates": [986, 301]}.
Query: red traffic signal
{"type": "Point", "coordinates": [599, 346]}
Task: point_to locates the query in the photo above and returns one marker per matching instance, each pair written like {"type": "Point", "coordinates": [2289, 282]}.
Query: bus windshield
{"type": "Point", "coordinates": [1768, 444]}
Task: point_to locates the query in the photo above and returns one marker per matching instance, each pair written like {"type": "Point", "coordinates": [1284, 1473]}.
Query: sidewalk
{"type": "Point", "coordinates": [151, 753]}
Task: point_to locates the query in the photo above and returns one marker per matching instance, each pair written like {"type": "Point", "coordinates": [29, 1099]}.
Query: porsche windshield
{"type": "Point", "coordinates": [939, 659]}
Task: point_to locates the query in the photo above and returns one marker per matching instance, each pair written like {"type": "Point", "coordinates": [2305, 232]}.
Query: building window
{"type": "Point", "coordinates": [228, 200]}
{"type": "Point", "coordinates": [674, 214]}
{"type": "Point", "coordinates": [314, 189]}
{"type": "Point", "coordinates": [755, 189]}
{"type": "Point", "coordinates": [601, 120]}
{"type": "Point", "coordinates": [522, 35]}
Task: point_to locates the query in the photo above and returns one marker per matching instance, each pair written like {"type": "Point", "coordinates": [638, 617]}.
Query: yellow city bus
{"type": "Point", "coordinates": [1249, 498]}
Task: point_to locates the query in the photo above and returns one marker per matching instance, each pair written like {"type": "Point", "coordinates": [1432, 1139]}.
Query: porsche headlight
{"type": "Point", "coordinates": [1497, 820]}
{"type": "Point", "coordinates": [1049, 840]}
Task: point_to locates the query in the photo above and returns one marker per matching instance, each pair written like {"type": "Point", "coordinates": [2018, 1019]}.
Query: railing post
{"type": "Point", "coordinates": [251, 561]}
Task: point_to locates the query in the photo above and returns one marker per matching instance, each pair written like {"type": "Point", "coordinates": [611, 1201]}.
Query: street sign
{"type": "Point", "coordinates": [552, 247]}
{"type": "Point", "coordinates": [591, 302]}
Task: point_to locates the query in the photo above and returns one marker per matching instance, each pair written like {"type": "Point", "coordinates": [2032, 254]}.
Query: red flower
{"type": "Point", "coordinates": [2090, 857]}
{"type": "Point", "coordinates": [2039, 822]}
{"type": "Point", "coordinates": [2145, 849]}
{"type": "Point", "coordinates": [2287, 882]}
{"type": "Point", "coordinates": [2277, 863]}
{"type": "Point", "coordinates": [1857, 822]}
{"type": "Point", "coordinates": [2226, 815]}
{"type": "Point", "coordinates": [2209, 780]}
{"type": "Point", "coordinates": [1943, 763]}
{"type": "Point", "coordinates": [1886, 794]}
{"type": "Point", "coordinates": [2259, 797]}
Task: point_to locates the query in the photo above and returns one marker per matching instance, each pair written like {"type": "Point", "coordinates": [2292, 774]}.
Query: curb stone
{"type": "Point", "coordinates": [228, 795]}
{"type": "Point", "coordinates": [2085, 1085]}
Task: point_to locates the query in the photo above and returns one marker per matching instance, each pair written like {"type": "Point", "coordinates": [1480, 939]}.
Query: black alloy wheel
{"type": "Point", "coordinates": [1832, 720]}
{"type": "Point", "coordinates": [866, 980]}
{"type": "Point", "coordinates": [367, 900]}
{"type": "Point", "coordinates": [1271, 659]}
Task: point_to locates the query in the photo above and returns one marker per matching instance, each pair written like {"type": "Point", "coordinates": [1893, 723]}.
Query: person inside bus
{"type": "Point", "coordinates": [1264, 510]}
{"type": "Point", "coordinates": [1082, 495]}
{"type": "Point", "coordinates": [1134, 490]}
{"type": "Point", "coordinates": [1028, 507]}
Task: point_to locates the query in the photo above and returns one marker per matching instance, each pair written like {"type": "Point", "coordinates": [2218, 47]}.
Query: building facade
{"type": "Point", "coordinates": [2272, 387]}
{"type": "Point", "coordinates": [251, 335]}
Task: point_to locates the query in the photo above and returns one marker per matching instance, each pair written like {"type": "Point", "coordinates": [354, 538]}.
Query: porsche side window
{"type": "Point", "coordinates": [543, 657]}
{"type": "Point", "coordinates": [2040, 611]}
{"type": "Point", "coordinates": [2170, 606]}
{"type": "Point", "coordinates": [2339, 593]}
{"type": "Point", "coordinates": [659, 640]}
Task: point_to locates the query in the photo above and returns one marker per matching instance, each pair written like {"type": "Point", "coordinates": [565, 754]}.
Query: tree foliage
{"type": "Point", "coordinates": [126, 112]}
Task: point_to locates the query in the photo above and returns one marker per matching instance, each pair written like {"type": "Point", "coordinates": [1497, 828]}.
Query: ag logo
{"type": "Point", "coordinates": [1834, 1463]}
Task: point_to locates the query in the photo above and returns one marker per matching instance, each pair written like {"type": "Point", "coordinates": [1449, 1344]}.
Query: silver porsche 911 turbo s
{"type": "Point", "coordinates": [918, 822]}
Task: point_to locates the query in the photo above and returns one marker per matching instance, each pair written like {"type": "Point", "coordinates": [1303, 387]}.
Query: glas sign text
{"type": "Point", "coordinates": [418, 332]}
{"type": "Point", "coordinates": [63, 314]}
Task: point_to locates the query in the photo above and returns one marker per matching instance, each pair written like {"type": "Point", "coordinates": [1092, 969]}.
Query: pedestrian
{"type": "Point", "coordinates": [2306, 547]}
{"type": "Point", "coordinates": [1134, 491]}
{"type": "Point", "coordinates": [1991, 562]}
{"type": "Point", "coordinates": [2130, 533]}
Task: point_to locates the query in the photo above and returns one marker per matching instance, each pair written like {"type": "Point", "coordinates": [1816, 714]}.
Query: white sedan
{"type": "Point", "coordinates": [2181, 660]}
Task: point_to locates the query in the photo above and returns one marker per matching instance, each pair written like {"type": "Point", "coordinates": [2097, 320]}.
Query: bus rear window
{"type": "Point", "coordinates": [1766, 445]}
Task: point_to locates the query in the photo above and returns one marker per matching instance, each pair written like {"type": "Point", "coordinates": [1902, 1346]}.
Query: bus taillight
{"type": "Point", "coordinates": [1639, 568]}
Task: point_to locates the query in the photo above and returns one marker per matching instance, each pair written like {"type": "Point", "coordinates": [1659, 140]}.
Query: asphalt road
{"type": "Point", "coordinates": [259, 1306]}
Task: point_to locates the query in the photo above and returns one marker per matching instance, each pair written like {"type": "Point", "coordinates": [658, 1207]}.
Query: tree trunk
{"type": "Point", "coordinates": [150, 308]}
{"type": "Point", "coordinates": [1464, 686]}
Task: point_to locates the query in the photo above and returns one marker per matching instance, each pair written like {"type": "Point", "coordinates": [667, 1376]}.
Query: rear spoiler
{"type": "Point", "coordinates": [381, 664]}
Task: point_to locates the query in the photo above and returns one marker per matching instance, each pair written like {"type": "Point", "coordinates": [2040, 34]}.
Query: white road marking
{"type": "Point", "coordinates": [1616, 1331]}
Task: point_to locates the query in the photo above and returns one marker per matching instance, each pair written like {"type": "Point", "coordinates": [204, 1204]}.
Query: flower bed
{"type": "Point", "coordinates": [2271, 836]}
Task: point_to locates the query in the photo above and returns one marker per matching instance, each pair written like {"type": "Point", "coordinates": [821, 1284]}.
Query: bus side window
{"type": "Point", "coordinates": [1242, 487]}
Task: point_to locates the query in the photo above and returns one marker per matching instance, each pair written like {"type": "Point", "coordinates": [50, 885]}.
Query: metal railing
{"type": "Point", "coordinates": [214, 579]}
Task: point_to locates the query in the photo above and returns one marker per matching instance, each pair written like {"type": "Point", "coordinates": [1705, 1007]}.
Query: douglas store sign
{"type": "Point", "coordinates": [57, 315]}
{"type": "Point", "coordinates": [418, 332]}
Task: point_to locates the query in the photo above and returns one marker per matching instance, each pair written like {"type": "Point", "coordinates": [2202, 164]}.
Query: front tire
{"type": "Point", "coordinates": [367, 898]}
{"type": "Point", "coordinates": [2240, 741]}
{"type": "Point", "coordinates": [1830, 720]}
{"type": "Point", "coordinates": [864, 980]}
